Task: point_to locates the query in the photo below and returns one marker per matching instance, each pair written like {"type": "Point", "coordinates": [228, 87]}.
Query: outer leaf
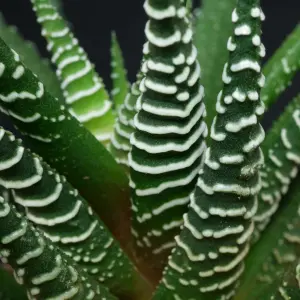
{"type": "Point", "coordinates": [9, 288]}
{"type": "Point", "coordinates": [63, 142]}
{"type": "Point", "coordinates": [208, 259]}
{"type": "Point", "coordinates": [62, 214]}
{"type": "Point", "coordinates": [276, 251]}
{"type": "Point", "coordinates": [45, 271]}
{"type": "Point", "coordinates": [168, 143]}
{"type": "Point", "coordinates": [119, 74]}
{"type": "Point", "coordinates": [83, 89]}
{"type": "Point", "coordinates": [282, 159]}
{"type": "Point", "coordinates": [281, 68]}
{"type": "Point", "coordinates": [124, 127]}
{"type": "Point", "coordinates": [212, 30]}
{"type": "Point", "coordinates": [31, 58]}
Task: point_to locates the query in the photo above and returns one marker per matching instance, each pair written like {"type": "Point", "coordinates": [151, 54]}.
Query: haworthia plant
{"type": "Point", "coordinates": [199, 205]}
{"type": "Point", "coordinates": [212, 31]}
{"type": "Point", "coordinates": [84, 90]}
{"type": "Point", "coordinates": [208, 259]}
{"type": "Point", "coordinates": [55, 207]}
{"type": "Point", "coordinates": [167, 144]}
{"type": "Point", "coordinates": [43, 268]}
{"type": "Point", "coordinates": [282, 159]}
{"type": "Point", "coordinates": [30, 57]}
{"type": "Point", "coordinates": [58, 137]}
{"type": "Point", "coordinates": [119, 74]}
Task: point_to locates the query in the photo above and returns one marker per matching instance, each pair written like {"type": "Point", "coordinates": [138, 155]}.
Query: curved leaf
{"type": "Point", "coordinates": [63, 142]}
{"type": "Point", "coordinates": [38, 265]}
{"type": "Point", "coordinates": [55, 207]}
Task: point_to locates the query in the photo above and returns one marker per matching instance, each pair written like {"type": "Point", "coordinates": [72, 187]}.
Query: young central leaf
{"type": "Point", "coordinates": [168, 144]}
{"type": "Point", "coordinates": [208, 259]}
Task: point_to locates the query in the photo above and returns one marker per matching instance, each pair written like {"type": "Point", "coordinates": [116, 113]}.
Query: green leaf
{"type": "Point", "coordinates": [119, 74]}
{"type": "Point", "coordinates": [282, 158]}
{"type": "Point", "coordinates": [275, 252]}
{"type": "Point", "coordinates": [41, 267]}
{"type": "Point", "coordinates": [120, 142]}
{"type": "Point", "coordinates": [281, 68]}
{"type": "Point", "coordinates": [168, 142]}
{"type": "Point", "coordinates": [30, 57]}
{"type": "Point", "coordinates": [212, 30]}
{"type": "Point", "coordinates": [84, 90]}
{"type": "Point", "coordinates": [63, 142]}
{"type": "Point", "coordinates": [54, 206]}
{"type": "Point", "coordinates": [207, 261]}
{"type": "Point", "coordinates": [9, 288]}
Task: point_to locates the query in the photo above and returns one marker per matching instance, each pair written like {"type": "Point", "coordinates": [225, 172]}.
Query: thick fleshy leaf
{"type": "Point", "coordinates": [208, 259]}
{"type": "Point", "coordinates": [45, 271]}
{"type": "Point", "coordinates": [54, 206]}
{"type": "Point", "coordinates": [282, 159]}
{"type": "Point", "coordinates": [84, 90]}
{"type": "Point", "coordinates": [281, 68]}
{"type": "Point", "coordinates": [30, 57]}
{"type": "Point", "coordinates": [276, 251]}
{"type": "Point", "coordinates": [120, 142]}
{"type": "Point", "coordinates": [212, 30]}
{"type": "Point", "coordinates": [168, 142]}
{"type": "Point", "coordinates": [63, 142]}
{"type": "Point", "coordinates": [118, 75]}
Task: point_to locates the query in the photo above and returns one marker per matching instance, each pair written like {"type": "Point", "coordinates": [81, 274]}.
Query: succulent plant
{"type": "Point", "coordinates": [164, 188]}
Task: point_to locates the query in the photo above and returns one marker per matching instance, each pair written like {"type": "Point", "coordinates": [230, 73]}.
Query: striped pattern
{"type": "Point", "coordinates": [282, 160]}
{"type": "Point", "coordinates": [168, 143]}
{"type": "Point", "coordinates": [118, 75]}
{"type": "Point", "coordinates": [120, 142]}
{"type": "Point", "coordinates": [54, 134]}
{"type": "Point", "coordinates": [208, 259]}
{"type": "Point", "coordinates": [45, 272]}
{"type": "Point", "coordinates": [84, 90]}
{"type": "Point", "coordinates": [62, 214]}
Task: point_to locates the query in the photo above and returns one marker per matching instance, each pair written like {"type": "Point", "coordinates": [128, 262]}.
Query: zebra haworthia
{"type": "Point", "coordinates": [208, 258]}
{"type": "Point", "coordinates": [62, 214]}
{"type": "Point", "coordinates": [84, 90]}
{"type": "Point", "coordinates": [168, 142]}
{"type": "Point", "coordinates": [44, 270]}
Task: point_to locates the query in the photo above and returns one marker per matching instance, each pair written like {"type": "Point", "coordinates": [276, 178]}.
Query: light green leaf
{"type": "Point", "coordinates": [119, 74]}
{"type": "Point", "coordinates": [35, 260]}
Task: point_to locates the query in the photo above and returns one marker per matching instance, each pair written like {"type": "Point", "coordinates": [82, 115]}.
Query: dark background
{"type": "Point", "coordinates": [93, 21]}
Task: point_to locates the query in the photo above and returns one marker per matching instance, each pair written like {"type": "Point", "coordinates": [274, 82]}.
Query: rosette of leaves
{"type": "Point", "coordinates": [64, 199]}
